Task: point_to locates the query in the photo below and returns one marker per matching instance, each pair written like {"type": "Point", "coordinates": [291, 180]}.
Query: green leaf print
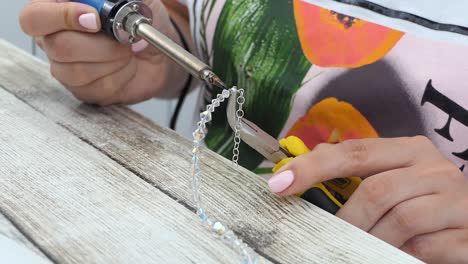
{"type": "Point", "coordinates": [256, 47]}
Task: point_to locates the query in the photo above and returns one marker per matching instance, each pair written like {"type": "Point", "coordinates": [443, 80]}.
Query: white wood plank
{"type": "Point", "coordinates": [82, 207]}
{"type": "Point", "coordinates": [8, 230]}
{"type": "Point", "coordinates": [287, 230]}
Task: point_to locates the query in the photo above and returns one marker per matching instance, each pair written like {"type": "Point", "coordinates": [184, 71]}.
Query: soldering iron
{"type": "Point", "coordinates": [130, 21]}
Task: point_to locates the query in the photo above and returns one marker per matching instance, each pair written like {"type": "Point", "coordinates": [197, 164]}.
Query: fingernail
{"type": "Point", "coordinates": [281, 181]}
{"type": "Point", "coordinates": [88, 21]}
{"type": "Point", "coordinates": [139, 46]}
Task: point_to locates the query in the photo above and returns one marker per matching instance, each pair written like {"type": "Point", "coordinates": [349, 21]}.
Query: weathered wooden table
{"type": "Point", "coordinates": [83, 184]}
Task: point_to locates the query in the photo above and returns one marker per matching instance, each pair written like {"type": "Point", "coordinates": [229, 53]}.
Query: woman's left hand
{"type": "Point", "coordinates": [411, 197]}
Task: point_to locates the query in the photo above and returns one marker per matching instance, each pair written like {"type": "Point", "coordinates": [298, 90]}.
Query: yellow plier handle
{"type": "Point", "coordinates": [329, 195]}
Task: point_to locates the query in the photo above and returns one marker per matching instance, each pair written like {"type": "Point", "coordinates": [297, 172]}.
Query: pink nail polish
{"type": "Point", "coordinates": [88, 21]}
{"type": "Point", "coordinates": [281, 181]}
{"type": "Point", "coordinates": [139, 46]}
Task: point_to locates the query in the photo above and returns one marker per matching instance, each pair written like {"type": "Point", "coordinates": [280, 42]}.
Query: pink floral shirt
{"type": "Point", "coordinates": [328, 71]}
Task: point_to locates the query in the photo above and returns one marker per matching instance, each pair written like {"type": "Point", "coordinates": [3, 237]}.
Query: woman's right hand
{"type": "Point", "coordinates": [94, 67]}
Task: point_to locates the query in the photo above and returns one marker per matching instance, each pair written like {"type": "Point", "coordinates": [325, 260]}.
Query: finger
{"type": "Point", "coordinates": [68, 46]}
{"type": "Point", "coordinates": [446, 246]}
{"type": "Point", "coordinates": [142, 86]}
{"type": "Point", "coordinates": [40, 18]}
{"type": "Point", "coordinates": [422, 215]}
{"type": "Point", "coordinates": [377, 194]}
{"type": "Point", "coordinates": [81, 74]}
{"type": "Point", "coordinates": [105, 91]}
{"type": "Point", "coordinates": [362, 157]}
{"type": "Point", "coordinates": [40, 42]}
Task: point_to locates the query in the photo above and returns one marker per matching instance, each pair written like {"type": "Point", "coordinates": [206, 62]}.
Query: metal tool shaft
{"type": "Point", "coordinates": [182, 57]}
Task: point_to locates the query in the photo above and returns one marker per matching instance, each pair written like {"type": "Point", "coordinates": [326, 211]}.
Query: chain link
{"type": "Point", "coordinates": [239, 115]}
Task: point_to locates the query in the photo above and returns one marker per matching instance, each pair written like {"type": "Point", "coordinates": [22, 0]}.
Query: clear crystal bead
{"type": "Point", "coordinates": [206, 116]}
{"type": "Point", "coordinates": [215, 103]}
{"type": "Point", "coordinates": [226, 93]}
{"type": "Point", "coordinates": [210, 222]}
{"type": "Point", "coordinates": [199, 134]}
{"type": "Point", "coordinates": [229, 237]}
{"type": "Point", "coordinates": [195, 170]}
{"type": "Point", "coordinates": [201, 124]}
{"type": "Point", "coordinates": [202, 127]}
{"type": "Point", "coordinates": [219, 228]}
{"type": "Point", "coordinates": [195, 185]}
{"type": "Point", "coordinates": [201, 214]}
{"type": "Point", "coordinates": [238, 242]}
{"type": "Point", "coordinates": [220, 98]}
{"type": "Point", "coordinates": [210, 108]}
{"type": "Point", "coordinates": [196, 143]}
{"type": "Point", "coordinates": [229, 234]}
{"type": "Point", "coordinates": [195, 182]}
{"type": "Point", "coordinates": [196, 198]}
{"type": "Point", "coordinates": [195, 150]}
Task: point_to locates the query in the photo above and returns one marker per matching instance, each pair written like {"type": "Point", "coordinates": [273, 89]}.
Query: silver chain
{"type": "Point", "coordinates": [239, 115]}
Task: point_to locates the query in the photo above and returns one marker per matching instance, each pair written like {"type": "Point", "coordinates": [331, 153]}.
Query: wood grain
{"type": "Point", "coordinates": [287, 230]}
{"type": "Point", "coordinates": [83, 207]}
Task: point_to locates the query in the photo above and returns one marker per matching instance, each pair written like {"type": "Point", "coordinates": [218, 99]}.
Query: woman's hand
{"type": "Point", "coordinates": [94, 67]}
{"type": "Point", "coordinates": [411, 197]}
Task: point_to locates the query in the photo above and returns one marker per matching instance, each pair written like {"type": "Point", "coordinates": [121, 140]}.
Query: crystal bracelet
{"type": "Point", "coordinates": [227, 235]}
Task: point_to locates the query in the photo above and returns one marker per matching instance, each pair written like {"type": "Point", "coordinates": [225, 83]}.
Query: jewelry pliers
{"type": "Point", "coordinates": [329, 195]}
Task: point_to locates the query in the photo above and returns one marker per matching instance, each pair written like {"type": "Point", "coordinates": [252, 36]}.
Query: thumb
{"type": "Point", "coordinates": [45, 17]}
{"type": "Point", "coordinates": [359, 157]}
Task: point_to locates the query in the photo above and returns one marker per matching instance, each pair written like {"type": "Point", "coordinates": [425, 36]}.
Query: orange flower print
{"type": "Point", "coordinates": [331, 39]}
{"type": "Point", "coordinates": [331, 121]}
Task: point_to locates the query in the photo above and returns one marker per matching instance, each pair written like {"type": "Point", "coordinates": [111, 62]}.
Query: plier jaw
{"type": "Point", "coordinates": [254, 136]}
{"type": "Point", "coordinates": [329, 195]}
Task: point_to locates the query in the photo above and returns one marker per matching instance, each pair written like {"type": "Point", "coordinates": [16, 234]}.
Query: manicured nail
{"type": "Point", "coordinates": [88, 21]}
{"type": "Point", "coordinates": [281, 181]}
{"type": "Point", "coordinates": [139, 46]}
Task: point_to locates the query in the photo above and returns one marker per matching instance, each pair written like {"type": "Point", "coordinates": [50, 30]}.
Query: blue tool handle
{"type": "Point", "coordinates": [94, 3]}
